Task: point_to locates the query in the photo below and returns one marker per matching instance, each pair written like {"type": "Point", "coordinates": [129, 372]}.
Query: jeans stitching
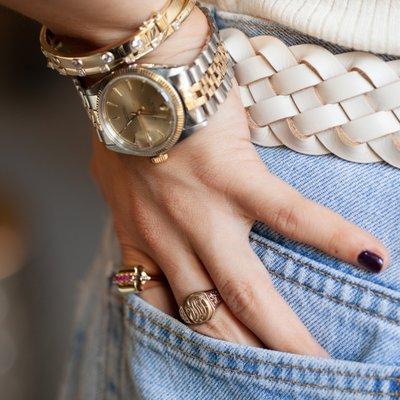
{"type": "Point", "coordinates": [252, 359]}
{"type": "Point", "coordinates": [324, 273]}
{"type": "Point", "coordinates": [335, 299]}
{"type": "Point", "coordinates": [262, 377]}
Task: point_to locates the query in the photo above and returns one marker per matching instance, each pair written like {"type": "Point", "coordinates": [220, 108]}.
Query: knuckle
{"type": "Point", "coordinates": [239, 296]}
{"type": "Point", "coordinates": [286, 220]}
{"type": "Point", "coordinates": [148, 235]}
{"type": "Point", "coordinates": [335, 240]}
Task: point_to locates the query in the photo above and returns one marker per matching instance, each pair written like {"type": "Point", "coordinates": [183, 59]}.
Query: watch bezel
{"type": "Point", "coordinates": [167, 91]}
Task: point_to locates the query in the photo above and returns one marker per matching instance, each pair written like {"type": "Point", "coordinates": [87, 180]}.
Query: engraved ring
{"type": "Point", "coordinates": [199, 307]}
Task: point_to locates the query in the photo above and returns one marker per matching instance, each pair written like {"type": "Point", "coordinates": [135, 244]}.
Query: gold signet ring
{"type": "Point", "coordinates": [199, 307]}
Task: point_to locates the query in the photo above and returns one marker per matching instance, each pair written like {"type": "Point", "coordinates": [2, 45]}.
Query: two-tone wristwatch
{"type": "Point", "coordinates": [145, 109]}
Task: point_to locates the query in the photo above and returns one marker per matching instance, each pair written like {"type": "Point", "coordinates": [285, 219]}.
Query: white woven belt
{"type": "Point", "coordinates": [314, 102]}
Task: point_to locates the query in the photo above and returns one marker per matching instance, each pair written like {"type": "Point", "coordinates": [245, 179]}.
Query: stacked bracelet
{"type": "Point", "coordinates": [148, 37]}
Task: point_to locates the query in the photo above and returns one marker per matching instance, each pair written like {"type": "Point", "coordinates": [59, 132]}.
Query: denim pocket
{"type": "Point", "coordinates": [353, 319]}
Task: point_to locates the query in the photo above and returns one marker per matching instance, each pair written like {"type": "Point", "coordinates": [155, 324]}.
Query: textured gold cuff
{"type": "Point", "coordinates": [148, 37]}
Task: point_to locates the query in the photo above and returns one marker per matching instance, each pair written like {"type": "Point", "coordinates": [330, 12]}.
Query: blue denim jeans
{"type": "Point", "coordinates": [123, 348]}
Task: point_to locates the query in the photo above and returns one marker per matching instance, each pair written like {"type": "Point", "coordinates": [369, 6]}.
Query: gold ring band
{"type": "Point", "coordinates": [199, 307]}
{"type": "Point", "coordinates": [132, 279]}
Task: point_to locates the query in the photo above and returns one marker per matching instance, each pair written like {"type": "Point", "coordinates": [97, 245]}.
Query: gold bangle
{"type": "Point", "coordinates": [148, 37]}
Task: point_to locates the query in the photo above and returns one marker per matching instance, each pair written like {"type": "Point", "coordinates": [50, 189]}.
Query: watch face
{"type": "Point", "coordinates": [141, 112]}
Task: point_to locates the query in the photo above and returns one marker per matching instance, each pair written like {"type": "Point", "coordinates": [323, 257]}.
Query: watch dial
{"type": "Point", "coordinates": [138, 112]}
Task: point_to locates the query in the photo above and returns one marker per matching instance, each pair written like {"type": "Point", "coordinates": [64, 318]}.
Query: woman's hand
{"type": "Point", "coordinates": [189, 218]}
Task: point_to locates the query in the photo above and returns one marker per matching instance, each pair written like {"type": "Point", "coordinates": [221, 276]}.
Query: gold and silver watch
{"type": "Point", "coordinates": [145, 109]}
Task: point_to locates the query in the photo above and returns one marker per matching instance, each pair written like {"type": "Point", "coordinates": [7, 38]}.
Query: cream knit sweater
{"type": "Point", "coordinates": [370, 25]}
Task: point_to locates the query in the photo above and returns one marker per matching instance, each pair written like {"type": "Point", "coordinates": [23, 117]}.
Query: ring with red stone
{"type": "Point", "coordinates": [132, 279]}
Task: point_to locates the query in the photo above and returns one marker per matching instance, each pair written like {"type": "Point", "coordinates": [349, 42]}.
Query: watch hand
{"type": "Point", "coordinates": [146, 132]}
{"type": "Point", "coordinates": [157, 116]}
{"type": "Point", "coordinates": [128, 123]}
{"type": "Point", "coordinates": [141, 123]}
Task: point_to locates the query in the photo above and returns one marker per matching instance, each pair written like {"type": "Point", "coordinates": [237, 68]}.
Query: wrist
{"type": "Point", "coordinates": [180, 48]}
{"type": "Point", "coordinates": [185, 44]}
{"type": "Point", "coordinates": [101, 24]}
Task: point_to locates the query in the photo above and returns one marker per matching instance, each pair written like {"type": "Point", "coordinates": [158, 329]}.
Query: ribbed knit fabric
{"type": "Point", "coordinates": [369, 25]}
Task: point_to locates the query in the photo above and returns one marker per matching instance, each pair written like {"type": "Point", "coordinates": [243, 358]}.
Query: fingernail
{"type": "Point", "coordinates": [370, 260]}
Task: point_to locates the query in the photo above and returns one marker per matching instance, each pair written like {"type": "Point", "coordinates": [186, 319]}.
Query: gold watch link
{"type": "Point", "coordinates": [200, 92]}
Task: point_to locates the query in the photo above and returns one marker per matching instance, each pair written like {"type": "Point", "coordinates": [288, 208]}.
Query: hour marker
{"type": "Point", "coordinates": [129, 83]}
{"type": "Point", "coordinates": [117, 91]}
{"type": "Point", "coordinates": [110, 103]}
{"type": "Point", "coordinates": [158, 116]}
{"type": "Point", "coordinates": [163, 107]}
{"type": "Point", "coordinates": [116, 117]}
{"type": "Point", "coordinates": [149, 138]}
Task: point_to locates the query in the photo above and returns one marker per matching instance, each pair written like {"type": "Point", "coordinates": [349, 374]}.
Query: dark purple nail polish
{"type": "Point", "coordinates": [370, 260]}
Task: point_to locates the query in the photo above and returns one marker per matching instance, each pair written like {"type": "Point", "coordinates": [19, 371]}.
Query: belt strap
{"type": "Point", "coordinates": [315, 102]}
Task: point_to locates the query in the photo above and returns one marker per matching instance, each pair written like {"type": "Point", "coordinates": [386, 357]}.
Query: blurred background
{"type": "Point", "coordinates": [50, 213]}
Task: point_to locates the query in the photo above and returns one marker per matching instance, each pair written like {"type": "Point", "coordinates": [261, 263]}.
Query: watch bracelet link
{"type": "Point", "coordinates": [149, 36]}
{"type": "Point", "coordinates": [89, 102]}
{"type": "Point", "coordinates": [202, 91]}
{"type": "Point", "coordinates": [203, 85]}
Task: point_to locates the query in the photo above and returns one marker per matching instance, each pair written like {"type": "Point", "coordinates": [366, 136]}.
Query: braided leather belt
{"type": "Point", "coordinates": [315, 102]}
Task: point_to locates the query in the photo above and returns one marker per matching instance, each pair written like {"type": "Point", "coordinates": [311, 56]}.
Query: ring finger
{"type": "Point", "coordinates": [186, 275]}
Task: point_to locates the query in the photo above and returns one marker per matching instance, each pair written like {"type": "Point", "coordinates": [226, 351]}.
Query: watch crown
{"type": "Point", "coordinates": [159, 159]}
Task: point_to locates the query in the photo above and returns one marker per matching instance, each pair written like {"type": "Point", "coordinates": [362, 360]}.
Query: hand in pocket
{"type": "Point", "coordinates": [190, 218]}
